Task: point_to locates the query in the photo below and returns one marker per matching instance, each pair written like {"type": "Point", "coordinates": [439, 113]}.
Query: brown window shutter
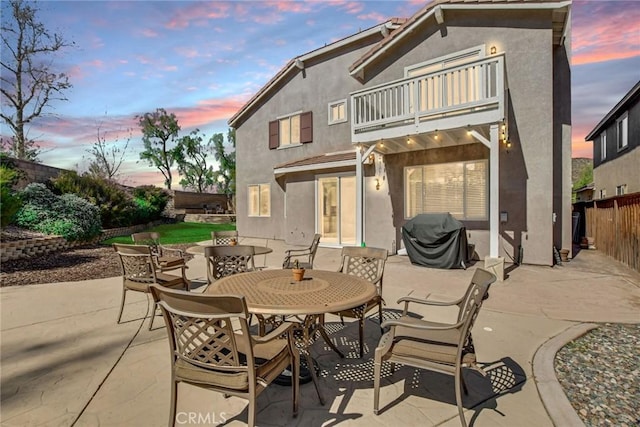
{"type": "Point", "coordinates": [274, 137]}
{"type": "Point", "coordinates": [306, 127]}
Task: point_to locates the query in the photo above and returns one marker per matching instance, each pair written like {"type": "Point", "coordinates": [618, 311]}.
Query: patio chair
{"type": "Point", "coordinates": [207, 352]}
{"type": "Point", "coordinates": [304, 256]}
{"type": "Point", "coordinates": [224, 237]}
{"type": "Point", "coordinates": [167, 259]}
{"type": "Point", "coordinates": [139, 271]}
{"type": "Point", "coordinates": [367, 263]}
{"type": "Point", "coordinates": [440, 347]}
{"type": "Point", "coordinates": [227, 260]}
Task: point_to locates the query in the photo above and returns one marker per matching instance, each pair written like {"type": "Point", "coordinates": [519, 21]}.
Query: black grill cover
{"type": "Point", "coordinates": [436, 240]}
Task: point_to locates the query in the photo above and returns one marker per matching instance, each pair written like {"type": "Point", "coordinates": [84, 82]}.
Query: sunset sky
{"type": "Point", "coordinates": [202, 61]}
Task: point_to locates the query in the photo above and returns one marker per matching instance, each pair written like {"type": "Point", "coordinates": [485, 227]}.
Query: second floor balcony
{"type": "Point", "coordinates": [465, 95]}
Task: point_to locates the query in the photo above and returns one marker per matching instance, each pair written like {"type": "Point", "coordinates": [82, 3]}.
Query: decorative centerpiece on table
{"type": "Point", "coordinates": [298, 273]}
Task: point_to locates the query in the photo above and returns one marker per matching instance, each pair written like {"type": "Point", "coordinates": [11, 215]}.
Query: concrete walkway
{"type": "Point", "coordinates": [64, 360]}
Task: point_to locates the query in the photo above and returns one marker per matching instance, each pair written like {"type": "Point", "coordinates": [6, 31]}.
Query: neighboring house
{"type": "Point", "coordinates": [464, 108]}
{"type": "Point", "coordinates": [616, 157]}
{"type": "Point", "coordinates": [584, 194]}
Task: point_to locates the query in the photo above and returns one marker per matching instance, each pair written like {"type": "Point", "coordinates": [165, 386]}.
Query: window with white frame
{"type": "Point", "coordinates": [621, 190]}
{"type": "Point", "coordinates": [338, 112]}
{"type": "Point", "coordinates": [291, 130]}
{"type": "Point", "coordinates": [259, 200]}
{"type": "Point", "coordinates": [603, 145]}
{"type": "Point", "coordinates": [603, 193]}
{"type": "Point", "coordinates": [459, 188]}
{"type": "Point", "coordinates": [622, 127]}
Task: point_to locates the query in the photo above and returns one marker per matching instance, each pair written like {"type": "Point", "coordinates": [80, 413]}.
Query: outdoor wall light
{"type": "Point", "coordinates": [377, 184]}
{"type": "Point", "coordinates": [493, 50]}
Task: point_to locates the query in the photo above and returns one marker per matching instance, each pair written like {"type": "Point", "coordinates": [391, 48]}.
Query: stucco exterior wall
{"type": "Point", "coordinates": [526, 170]}
{"type": "Point", "coordinates": [624, 170]}
{"type": "Point", "coordinates": [313, 89]}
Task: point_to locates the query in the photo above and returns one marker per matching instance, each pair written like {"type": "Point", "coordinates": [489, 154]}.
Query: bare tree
{"type": "Point", "coordinates": [28, 82]}
{"type": "Point", "coordinates": [106, 158]}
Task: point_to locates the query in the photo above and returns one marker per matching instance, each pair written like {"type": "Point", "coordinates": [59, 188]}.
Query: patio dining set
{"type": "Point", "coordinates": [250, 324]}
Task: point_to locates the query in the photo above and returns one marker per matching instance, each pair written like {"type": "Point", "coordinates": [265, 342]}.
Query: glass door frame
{"type": "Point", "coordinates": [339, 175]}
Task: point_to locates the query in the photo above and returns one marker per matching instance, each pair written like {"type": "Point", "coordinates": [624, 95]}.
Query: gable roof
{"type": "Point", "coordinates": [436, 7]}
{"type": "Point", "coordinates": [632, 96]}
{"type": "Point", "coordinates": [297, 64]}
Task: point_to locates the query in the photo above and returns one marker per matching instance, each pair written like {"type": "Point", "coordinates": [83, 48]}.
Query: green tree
{"type": "Point", "coordinates": [159, 130]}
{"type": "Point", "coordinates": [191, 157]}
{"type": "Point", "coordinates": [226, 157]}
{"type": "Point", "coordinates": [28, 83]}
{"type": "Point", "coordinates": [586, 177]}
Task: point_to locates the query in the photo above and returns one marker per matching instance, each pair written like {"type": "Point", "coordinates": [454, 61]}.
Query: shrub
{"type": "Point", "coordinates": [68, 215]}
{"type": "Point", "coordinates": [117, 208]}
{"type": "Point", "coordinates": [150, 202]}
{"type": "Point", "coordinates": [9, 202]}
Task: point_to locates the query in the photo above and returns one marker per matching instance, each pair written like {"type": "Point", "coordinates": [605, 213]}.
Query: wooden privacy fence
{"type": "Point", "coordinates": [615, 226]}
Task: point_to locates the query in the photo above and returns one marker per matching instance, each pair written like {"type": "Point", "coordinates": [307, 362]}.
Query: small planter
{"type": "Point", "coordinates": [564, 255]}
{"type": "Point", "coordinates": [233, 242]}
{"type": "Point", "coordinates": [298, 274]}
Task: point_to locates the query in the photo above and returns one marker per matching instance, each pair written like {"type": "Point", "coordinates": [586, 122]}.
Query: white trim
{"type": "Point", "coordinates": [481, 49]}
{"type": "Point", "coordinates": [284, 116]}
{"type": "Point", "coordinates": [259, 197]}
{"type": "Point", "coordinates": [603, 145]}
{"type": "Point", "coordinates": [333, 104]}
{"type": "Point", "coordinates": [619, 138]}
{"type": "Point", "coordinates": [315, 166]}
{"type": "Point", "coordinates": [494, 190]}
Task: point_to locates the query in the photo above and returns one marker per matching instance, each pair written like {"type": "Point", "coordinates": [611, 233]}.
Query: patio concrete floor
{"type": "Point", "coordinates": [65, 361]}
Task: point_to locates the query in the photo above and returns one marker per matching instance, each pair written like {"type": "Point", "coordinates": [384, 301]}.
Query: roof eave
{"type": "Point", "coordinates": [294, 64]}
{"type": "Point", "coordinates": [606, 120]}
{"type": "Point", "coordinates": [358, 69]}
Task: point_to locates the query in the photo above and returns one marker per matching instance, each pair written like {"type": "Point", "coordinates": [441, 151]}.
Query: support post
{"type": "Point", "coordinates": [359, 197]}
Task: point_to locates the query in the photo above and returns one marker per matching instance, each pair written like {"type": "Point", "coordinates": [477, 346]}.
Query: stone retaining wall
{"type": "Point", "coordinates": [44, 245]}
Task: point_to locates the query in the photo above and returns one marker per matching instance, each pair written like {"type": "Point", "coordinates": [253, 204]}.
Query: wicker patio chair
{"type": "Point", "coordinates": [440, 347]}
{"type": "Point", "coordinates": [167, 259]}
{"type": "Point", "coordinates": [139, 271]}
{"type": "Point", "coordinates": [367, 263]}
{"type": "Point", "coordinates": [224, 237]}
{"type": "Point", "coordinates": [304, 256]}
{"type": "Point", "coordinates": [207, 352]}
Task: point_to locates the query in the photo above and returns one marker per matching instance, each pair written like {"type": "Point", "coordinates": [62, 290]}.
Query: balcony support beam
{"type": "Point", "coordinates": [494, 190]}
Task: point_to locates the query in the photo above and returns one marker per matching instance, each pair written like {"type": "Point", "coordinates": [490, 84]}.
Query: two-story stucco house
{"type": "Point", "coordinates": [464, 108]}
{"type": "Point", "coordinates": [616, 157]}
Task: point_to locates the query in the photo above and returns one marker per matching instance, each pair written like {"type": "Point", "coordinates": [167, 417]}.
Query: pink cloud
{"type": "Point", "coordinates": [373, 16]}
{"type": "Point", "coordinates": [289, 6]}
{"type": "Point", "coordinates": [147, 32]}
{"type": "Point", "coordinates": [350, 7]}
{"type": "Point", "coordinates": [198, 12]}
{"type": "Point", "coordinates": [605, 31]}
{"type": "Point", "coordinates": [209, 111]}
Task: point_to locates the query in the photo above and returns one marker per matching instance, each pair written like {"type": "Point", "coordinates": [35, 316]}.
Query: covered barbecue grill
{"type": "Point", "coordinates": [436, 240]}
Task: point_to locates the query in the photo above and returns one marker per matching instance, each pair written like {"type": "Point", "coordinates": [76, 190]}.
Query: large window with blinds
{"type": "Point", "coordinates": [460, 188]}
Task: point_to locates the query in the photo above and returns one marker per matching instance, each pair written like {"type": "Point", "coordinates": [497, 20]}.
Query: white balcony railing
{"type": "Point", "coordinates": [473, 88]}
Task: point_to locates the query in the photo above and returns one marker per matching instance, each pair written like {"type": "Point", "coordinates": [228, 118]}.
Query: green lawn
{"type": "Point", "coordinates": [181, 232]}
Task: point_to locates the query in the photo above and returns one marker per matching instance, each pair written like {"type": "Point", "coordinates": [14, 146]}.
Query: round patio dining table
{"type": "Point", "coordinates": [275, 292]}
{"type": "Point", "coordinates": [257, 250]}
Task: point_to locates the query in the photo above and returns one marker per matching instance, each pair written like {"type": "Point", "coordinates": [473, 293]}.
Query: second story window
{"type": "Point", "coordinates": [622, 127]}
{"type": "Point", "coordinates": [603, 145]}
{"type": "Point", "coordinates": [338, 112]}
{"type": "Point", "coordinates": [621, 190]}
{"type": "Point", "coordinates": [290, 130]}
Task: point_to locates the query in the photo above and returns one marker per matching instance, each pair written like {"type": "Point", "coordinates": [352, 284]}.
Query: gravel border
{"type": "Point", "coordinates": [600, 374]}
